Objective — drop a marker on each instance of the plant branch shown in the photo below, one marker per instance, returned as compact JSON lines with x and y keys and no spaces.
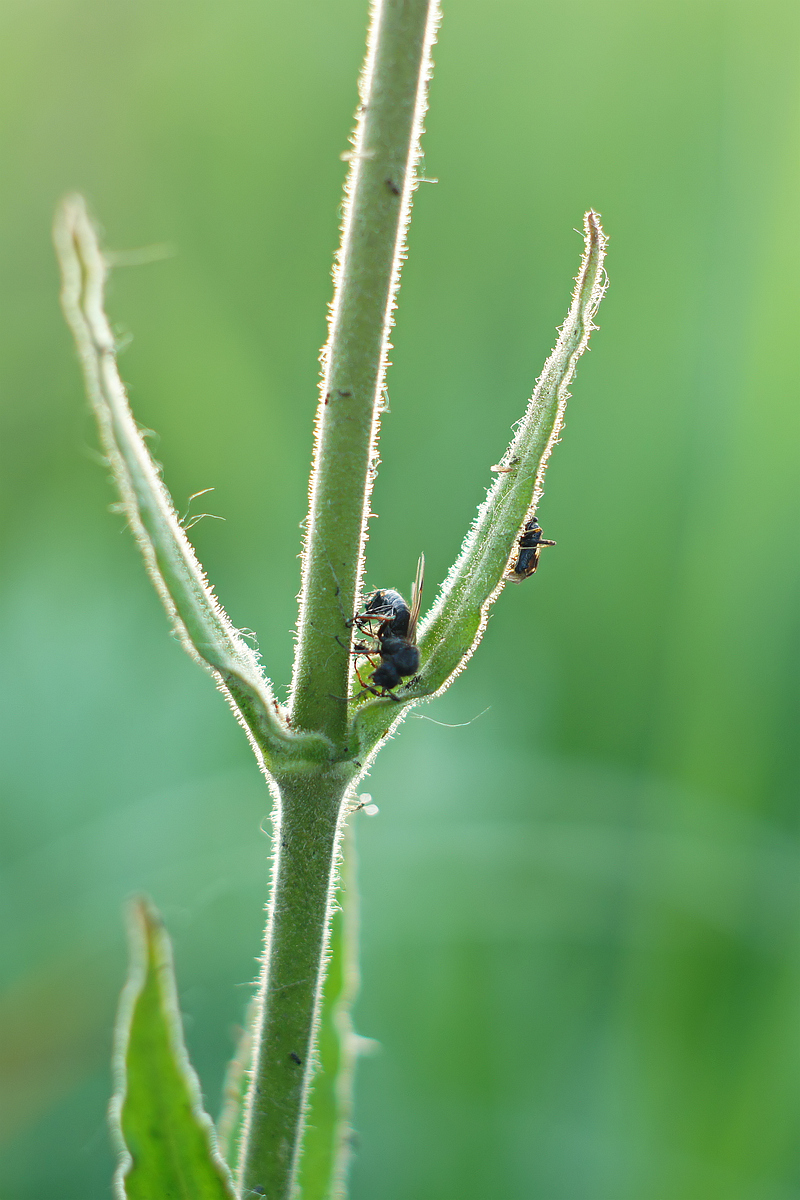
{"x":199,"y":621}
{"x":378,"y":197}
{"x":308,"y":819}
{"x":454,"y":626}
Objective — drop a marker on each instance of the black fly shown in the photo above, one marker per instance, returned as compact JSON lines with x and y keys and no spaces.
{"x":530,"y":545}
{"x":393,"y":625}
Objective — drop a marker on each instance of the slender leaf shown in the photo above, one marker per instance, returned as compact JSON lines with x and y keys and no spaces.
{"x":197,"y":617}
{"x":451,"y":631}
{"x":165,"y":1139}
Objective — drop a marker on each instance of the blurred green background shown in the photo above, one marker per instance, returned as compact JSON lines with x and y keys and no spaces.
{"x":581,"y":929}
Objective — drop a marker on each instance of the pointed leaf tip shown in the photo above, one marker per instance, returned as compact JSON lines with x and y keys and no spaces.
{"x":164,"y":1138}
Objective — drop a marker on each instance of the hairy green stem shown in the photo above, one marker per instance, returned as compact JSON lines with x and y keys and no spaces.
{"x":377,"y":207}
{"x":308,"y":817}
{"x":454,"y":626}
{"x":306,"y":840}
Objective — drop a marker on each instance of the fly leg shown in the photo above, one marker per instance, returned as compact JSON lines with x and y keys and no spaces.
{"x":366,"y":686}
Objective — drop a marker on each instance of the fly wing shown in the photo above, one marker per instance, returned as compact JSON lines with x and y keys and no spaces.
{"x":416,"y":600}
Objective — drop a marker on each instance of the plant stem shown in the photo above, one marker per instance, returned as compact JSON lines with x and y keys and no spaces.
{"x":377,"y":206}
{"x":306,"y":840}
{"x":308,"y":817}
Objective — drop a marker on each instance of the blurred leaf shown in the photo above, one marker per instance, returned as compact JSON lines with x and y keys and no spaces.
{"x":200,"y":623}
{"x":234,"y":1093}
{"x":327,"y":1145}
{"x":166,"y":1139}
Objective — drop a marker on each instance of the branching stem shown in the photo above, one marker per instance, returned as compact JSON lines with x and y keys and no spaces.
{"x":314,"y":754}
{"x":306,"y":839}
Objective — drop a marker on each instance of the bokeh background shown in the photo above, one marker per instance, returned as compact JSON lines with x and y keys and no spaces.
{"x":581,"y":929}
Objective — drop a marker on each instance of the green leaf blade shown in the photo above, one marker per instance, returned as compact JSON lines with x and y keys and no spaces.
{"x":165,"y":1139}
{"x":199,"y":621}
{"x":451,"y":631}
